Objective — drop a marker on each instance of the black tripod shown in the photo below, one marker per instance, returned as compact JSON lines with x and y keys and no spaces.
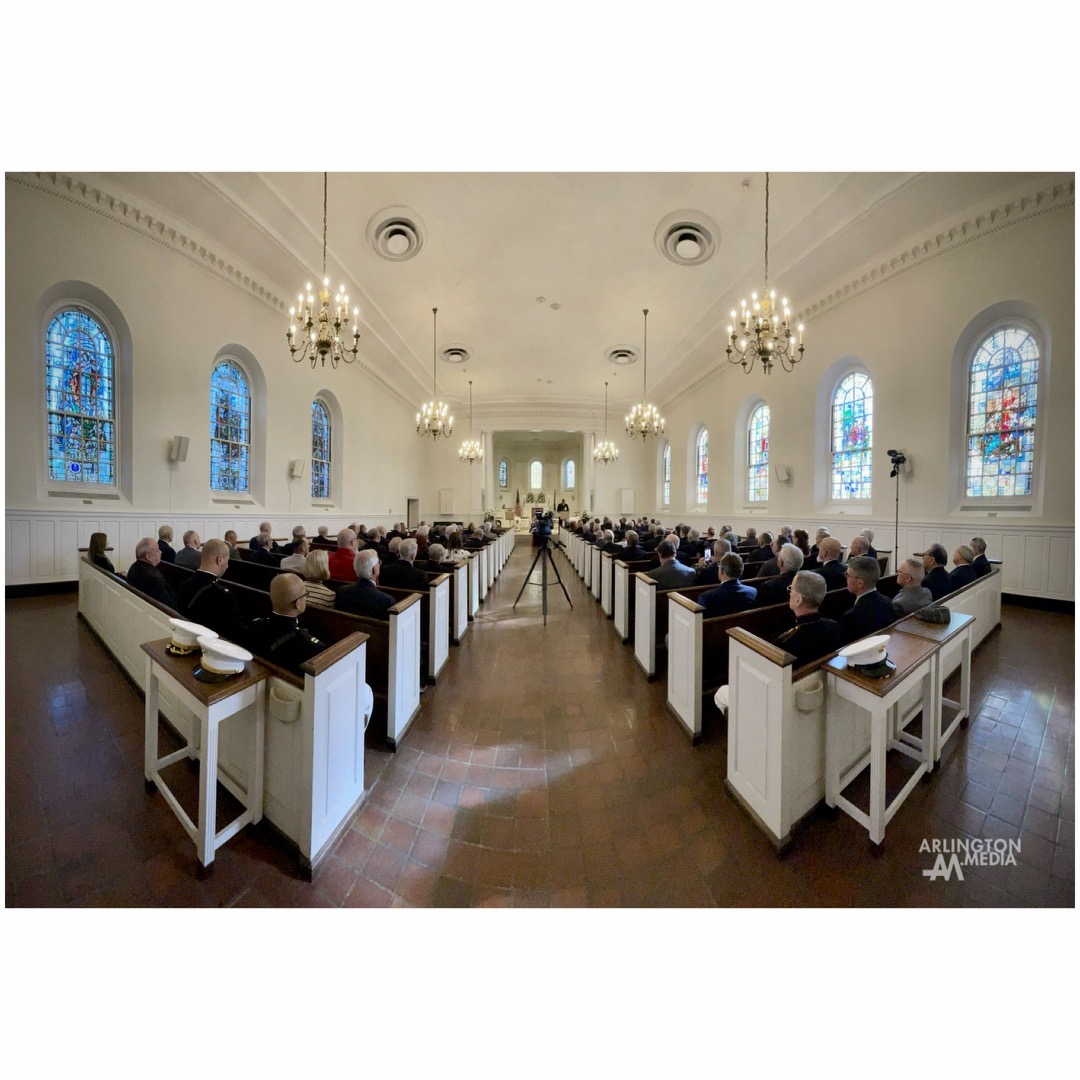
{"x":899,"y":463}
{"x":543,"y":556}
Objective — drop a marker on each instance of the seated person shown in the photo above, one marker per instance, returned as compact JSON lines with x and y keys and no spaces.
{"x":801,"y":539}
{"x":280,"y":638}
{"x":316,"y":571}
{"x":164,"y":543}
{"x":96,"y":551}
{"x":872,"y":611}
{"x":343,"y":558}
{"x":298,"y":534}
{"x":765,"y":552}
{"x":633,"y":552}
{"x":301,"y":548}
{"x":206,"y":600}
{"x":402,"y":574}
{"x":143,"y":574}
{"x":231,"y":540}
{"x":731,"y":594}
{"x":708,"y":571}
{"x":981,"y":563}
{"x":858,"y":547}
{"x":324,"y":532}
{"x":818,"y":537}
{"x":365,"y":597}
{"x":771,"y":567}
{"x":812,"y":636}
{"x":936,"y":579}
{"x":264,"y":527}
{"x":439,"y":561}
{"x":868,"y":534}
{"x":670,"y":574}
{"x":965,"y":573}
{"x":912,"y":594}
{"x":775,"y":590}
{"x":829,"y":565}
{"x":261,"y":547}
{"x":189,"y":555}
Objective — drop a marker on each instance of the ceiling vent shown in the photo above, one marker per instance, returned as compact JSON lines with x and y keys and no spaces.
{"x":687,"y":237}
{"x":621,"y":355}
{"x":396,"y":233}
{"x":455,"y":354}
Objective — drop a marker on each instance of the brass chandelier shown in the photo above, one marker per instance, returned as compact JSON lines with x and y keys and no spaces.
{"x":764,"y":330}
{"x":434,"y":417}
{"x":644,"y":418}
{"x":321,"y":330}
{"x":472,"y":450}
{"x":605,"y":451}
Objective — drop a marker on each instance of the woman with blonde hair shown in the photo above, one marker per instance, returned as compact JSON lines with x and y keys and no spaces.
{"x":98,"y":543}
{"x":316,"y":570}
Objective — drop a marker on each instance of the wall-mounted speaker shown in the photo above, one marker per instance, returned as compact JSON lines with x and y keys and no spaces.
{"x":782,"y":472}
{"x":296,"y":468}
{"x":178,"y":449}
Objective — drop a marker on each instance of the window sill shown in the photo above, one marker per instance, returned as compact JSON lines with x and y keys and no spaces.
{"x":235,"y":500}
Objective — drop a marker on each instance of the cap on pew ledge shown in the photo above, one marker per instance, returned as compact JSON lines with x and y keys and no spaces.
{"x":220,"y":659}
{"x":185,"y":637}
{"x":868,"y":656}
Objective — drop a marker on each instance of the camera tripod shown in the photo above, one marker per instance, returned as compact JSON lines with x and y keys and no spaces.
{"x":543,"y":556}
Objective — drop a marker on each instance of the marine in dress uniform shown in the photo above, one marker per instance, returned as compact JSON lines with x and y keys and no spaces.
{"x":283,"y":640}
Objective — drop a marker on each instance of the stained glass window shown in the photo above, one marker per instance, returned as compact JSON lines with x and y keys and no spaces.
{"x":536,"y":475}
{"x":230,"y":429}
{"x":80,"y":396}
{"x":504,"y":473}
{"x":703,"y":467}
{"x":320,"y":450}
{"x":1002,"y":393}
{"x":665,"y":472}
{"x":757,"y":455}
{"x":568,"y":478}
{"x":852,"y":437}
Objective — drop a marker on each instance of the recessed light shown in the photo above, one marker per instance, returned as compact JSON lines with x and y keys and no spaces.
{"x":541,"y":299}
{"x":555,"y":307}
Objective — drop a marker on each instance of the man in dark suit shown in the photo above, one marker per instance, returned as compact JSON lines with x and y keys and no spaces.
{"x":812,"y":636}
{"x":164,"y":543}
{"x":765,"y":552}
{"x":935,"y":561}
{"x":264,"y":527}
{"x":260,"y":546}
{"x":205,"y":600}
{"x":872,"y":611}
{"x":965,"y":573}
{"x":731,"y":594}
{"x":633,"y":552}
{"x":708,"y":572}
{"x":831,"y":568}
{"x":870,"y":549}
{"x":144,"y":575}
{"x":671,"y":574}
{"x":281,"y":638}
{"x":365,"y":597}
{"x":775,"y":590}
{"x":981,"y":563}
{"x":402,"y":573}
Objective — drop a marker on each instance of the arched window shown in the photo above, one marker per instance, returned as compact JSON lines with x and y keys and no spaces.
{"x":536,"y":475}
{"x":852,"y":437}
{"x":1002,"y":391}
{"x":569,"y":478}
{"x":80,"y":397}
{"x":757,"y":455}
{"x":665,"y":476}
{"x":230,"y":429}
{"x":701,"y":495}
{"x":504,"y":473}
{"x":320,"y":450}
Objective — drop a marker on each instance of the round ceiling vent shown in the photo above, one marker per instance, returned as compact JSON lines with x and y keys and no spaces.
{"x":621,"y":355}
{"x":455,"y":354}
{"x":396,"y":233}
{"x":687,"y":237}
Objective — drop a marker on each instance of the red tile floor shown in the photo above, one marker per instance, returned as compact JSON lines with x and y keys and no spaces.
{"x":543,"y":770}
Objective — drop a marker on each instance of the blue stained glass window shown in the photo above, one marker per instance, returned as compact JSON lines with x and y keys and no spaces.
{"x":702,"y":496}
{"x":757,"y":455}
{"x":320,"y":450}
{"x":1003,"y":394}
{"x":230,"y":429}
{"x":80,"y":396}
{"x":504,"y":473}
{"x":852,"y":437}
{"x":666,"y":473}
{"x":536,"y":475}
{"x":569,"y":478}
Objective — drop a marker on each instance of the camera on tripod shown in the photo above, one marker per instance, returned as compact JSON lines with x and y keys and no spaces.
{"x":542,"y":527}
{"x":899,"y":461}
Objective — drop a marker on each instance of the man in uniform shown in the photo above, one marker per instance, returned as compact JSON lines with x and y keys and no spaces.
{"x":813,"y":635}
{"x":205,"y":600}
{"x":280,"y":638}
{"x":144,"y":575}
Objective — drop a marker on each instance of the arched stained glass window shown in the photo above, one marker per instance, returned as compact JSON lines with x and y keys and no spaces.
{"x":504,"y":473}
{"x":665,"y":473}
{"x":230,"y":429}
{"x":757,"y":455}
{"x":80,"y":398}
{"x":569,"y":477}
{"x":320,"y":450}
{"x":852,"y":437}
{"x":536,"y":475}
{"x":1002,"y":392}
{"x":702,"y":492}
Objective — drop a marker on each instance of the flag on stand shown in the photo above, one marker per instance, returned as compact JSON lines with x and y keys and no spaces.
{"x":517,"y":504}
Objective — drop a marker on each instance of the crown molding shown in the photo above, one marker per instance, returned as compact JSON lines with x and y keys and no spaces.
{"x":976,"y":226}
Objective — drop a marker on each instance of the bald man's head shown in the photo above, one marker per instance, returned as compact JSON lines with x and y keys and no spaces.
{"x":286,"y":590}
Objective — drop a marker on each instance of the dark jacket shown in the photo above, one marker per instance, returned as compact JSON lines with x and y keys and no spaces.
{"x":982,"y":565}
{"x":774,"y":591}
{"x":403,"y":575}
{"x":364,"y":598}
{"x":812,"y":637}
{"x":188,"y":557}
{"x":253,"y":544}
{"x":834,"y":574}
{"x":206,"y":600}
{"x":150,"y":580}
{"x":729,"y":596}
{"x":937,"y":581}
{"x":710,"y":574}
{"x":762,"y":554}
{"x":263,"y":557}
{"x":673,"y":575}
{"x":104,"y":562}
{"x":633,"y":554}
{"x":281,"y":639}
{"x":167,"y":553}
{"x":963,"y":575}
{"x":871,"y":612}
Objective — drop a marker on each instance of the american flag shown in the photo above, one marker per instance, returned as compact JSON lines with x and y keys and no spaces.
{"x":517,"y":504}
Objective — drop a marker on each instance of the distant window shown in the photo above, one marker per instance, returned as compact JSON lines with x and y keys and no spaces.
{"x":665,"y":472}
{"x":230,"y":429}
{"x":757,"y":455}
{"x":320,"y":450}
{"x":536,"y":475}
{"x":1002,"y":397}
{"x":504,"y":473}
{"x":568,"y":476}
{"x":702,"y":492}
{"x":852,"y":437}
{"x":80,"y":397}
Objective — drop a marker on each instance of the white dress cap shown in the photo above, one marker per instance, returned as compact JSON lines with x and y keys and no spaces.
{"x":185,"y":635}
{"x":223,"y":657}
{"x":867,"y":652}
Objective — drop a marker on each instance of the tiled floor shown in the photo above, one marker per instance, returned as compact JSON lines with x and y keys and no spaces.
{"x":543,"y":771}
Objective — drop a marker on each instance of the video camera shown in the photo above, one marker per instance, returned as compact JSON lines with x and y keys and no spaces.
{"x":542,"y":527}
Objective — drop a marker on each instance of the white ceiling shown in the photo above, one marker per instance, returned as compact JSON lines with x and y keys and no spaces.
{"x":496,"y":242}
